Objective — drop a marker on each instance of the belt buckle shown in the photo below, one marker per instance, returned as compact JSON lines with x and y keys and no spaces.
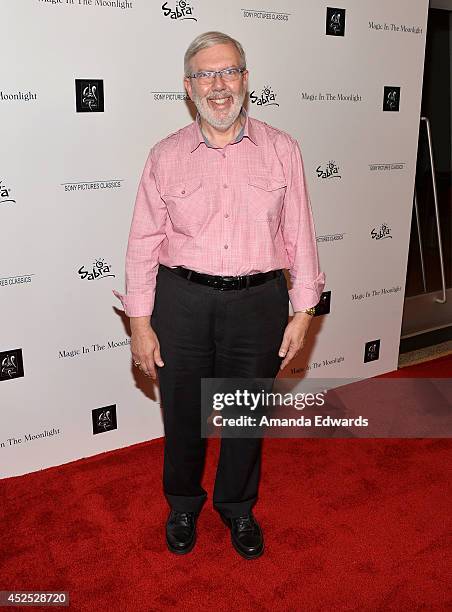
{"x":231,"y":282}
{"x":227,"y":283}
{"x":217,"y":283}
{"x":240,"y":280}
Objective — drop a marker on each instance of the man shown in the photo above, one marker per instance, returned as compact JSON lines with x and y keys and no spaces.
{"x":222,"y":208}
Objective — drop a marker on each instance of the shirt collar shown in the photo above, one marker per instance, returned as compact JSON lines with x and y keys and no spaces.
{"x":247,"y":131}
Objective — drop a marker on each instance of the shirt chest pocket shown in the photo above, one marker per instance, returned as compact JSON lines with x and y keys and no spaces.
{"x":186,"y":203}
{"x":265,"y":197}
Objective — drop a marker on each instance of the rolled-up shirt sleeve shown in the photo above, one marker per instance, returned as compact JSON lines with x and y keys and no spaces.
{"x":307,"y":281}
{"x":147,"y":231}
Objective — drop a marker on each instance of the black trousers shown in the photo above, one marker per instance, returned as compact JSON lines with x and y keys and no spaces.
{"x":207,"y":333}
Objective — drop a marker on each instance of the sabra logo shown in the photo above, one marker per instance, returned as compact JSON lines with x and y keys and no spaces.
{"x":267,"y":97}
{"x":331,"y":171}
{"x":182,"y":11}
{"x":384,"y":231}
{"x":99,"y":270}
{"x":5,"y":194}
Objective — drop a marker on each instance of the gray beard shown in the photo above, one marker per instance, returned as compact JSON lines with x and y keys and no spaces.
{"x":209,"y":116}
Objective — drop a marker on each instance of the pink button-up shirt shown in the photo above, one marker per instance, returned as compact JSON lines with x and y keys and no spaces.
{"x":229,"y":211}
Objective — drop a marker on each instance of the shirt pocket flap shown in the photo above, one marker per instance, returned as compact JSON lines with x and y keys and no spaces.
{"x":267,"y":183}
{"x":183,"y":188}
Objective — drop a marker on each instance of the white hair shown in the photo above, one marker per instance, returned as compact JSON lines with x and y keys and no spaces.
{"x":209,"y":39}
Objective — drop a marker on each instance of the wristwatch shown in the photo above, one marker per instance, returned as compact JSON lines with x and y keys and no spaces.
{"x":309,"y":311}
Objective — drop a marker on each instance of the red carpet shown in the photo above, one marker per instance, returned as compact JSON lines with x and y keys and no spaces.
{"x":349,"y":525}
{"x":435,"y":368}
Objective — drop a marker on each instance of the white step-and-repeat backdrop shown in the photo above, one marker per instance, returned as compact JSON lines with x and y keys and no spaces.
{"x":86,"y":88}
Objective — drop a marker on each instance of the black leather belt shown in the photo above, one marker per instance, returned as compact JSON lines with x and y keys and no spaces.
{"x":225,"y":283}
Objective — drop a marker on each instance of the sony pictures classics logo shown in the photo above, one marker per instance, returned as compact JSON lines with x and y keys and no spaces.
{"x":330,"y":238}
{"x":335,"y":21}
{"x":11,"y":364}
{"x":182,"y":11}
{"x":89,"y":95}
{"x":384,"y":231}
{"x":330,"y":171}
{"x":99,"y":270}
{"x":387,"y":166}
{"x":391,"y":98}
{"x":5,"y":194}
{"x":267,"y":97}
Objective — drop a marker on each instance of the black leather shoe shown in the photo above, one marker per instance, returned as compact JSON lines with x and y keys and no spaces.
{"x":246,"y":535}
{"x":181,"y":531}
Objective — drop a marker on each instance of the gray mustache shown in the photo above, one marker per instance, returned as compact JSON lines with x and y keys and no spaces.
{"x":219,"y":96}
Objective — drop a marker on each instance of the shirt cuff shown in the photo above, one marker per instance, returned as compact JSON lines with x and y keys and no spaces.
{"x":134,"y":306}
{"x":307,"y":294}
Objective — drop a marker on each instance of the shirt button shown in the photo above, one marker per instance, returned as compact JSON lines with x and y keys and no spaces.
{"x":224,"y":154}
{"x":225,"y":246}
{"x":226,"y":216}
{"x":183,"y":191}
{"x":225,"y":186}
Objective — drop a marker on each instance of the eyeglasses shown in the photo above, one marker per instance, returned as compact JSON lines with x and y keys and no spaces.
{"x":208,"y":76}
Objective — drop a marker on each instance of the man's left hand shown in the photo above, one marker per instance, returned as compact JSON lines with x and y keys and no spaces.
{"x":294,"y":337}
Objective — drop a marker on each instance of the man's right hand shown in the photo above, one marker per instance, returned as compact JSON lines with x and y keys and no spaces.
{"x":145,"y":346}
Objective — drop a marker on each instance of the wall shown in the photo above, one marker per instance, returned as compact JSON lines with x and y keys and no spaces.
{"x":68,"y":183}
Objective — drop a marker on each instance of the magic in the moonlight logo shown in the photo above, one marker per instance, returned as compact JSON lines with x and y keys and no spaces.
{"x":104,"y":419}
{"x":89,"y":95}
{"x":372,"y":351}
{"x":335,"y":21}
{"x":183,"y":10}
{"x":20,"y":96}
{"x":11,"y":364}
{"x":99,"y":270}
{"x":324,"y":305}
{"x":391,"y":98}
